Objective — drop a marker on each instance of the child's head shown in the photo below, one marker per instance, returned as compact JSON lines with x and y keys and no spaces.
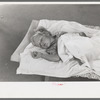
{"x":42,"y":38}
{"x":42,"y":30}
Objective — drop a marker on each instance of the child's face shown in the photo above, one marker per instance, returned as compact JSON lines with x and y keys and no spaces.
{"x":41,"y":40}
{"x":45,"y":42}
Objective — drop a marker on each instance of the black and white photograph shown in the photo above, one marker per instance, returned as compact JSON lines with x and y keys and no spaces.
{"x":49,"y":42}
{"x":49,"y":49}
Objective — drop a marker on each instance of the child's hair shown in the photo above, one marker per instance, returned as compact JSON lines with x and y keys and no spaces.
{"x":43,"y":31}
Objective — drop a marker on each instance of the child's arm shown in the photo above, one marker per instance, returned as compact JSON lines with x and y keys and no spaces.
{"x":54,"y":58}
{"x":49,"y":57}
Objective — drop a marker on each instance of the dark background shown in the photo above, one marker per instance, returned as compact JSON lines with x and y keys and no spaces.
{"x":15,"y":21}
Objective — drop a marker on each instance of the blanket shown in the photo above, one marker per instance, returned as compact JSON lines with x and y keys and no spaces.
{"x":83,"y":48}
{"x":40,"y":66}
{"x":28,"y":65}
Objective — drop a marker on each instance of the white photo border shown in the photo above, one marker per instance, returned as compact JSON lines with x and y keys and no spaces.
{"x":49,"y":89}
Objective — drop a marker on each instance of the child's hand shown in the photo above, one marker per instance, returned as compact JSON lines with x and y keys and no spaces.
{"x":36,"y":54}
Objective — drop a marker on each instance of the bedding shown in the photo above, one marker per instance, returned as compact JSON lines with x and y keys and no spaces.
{"x":28,"y":65}
{"x":41,"y":66}
{"x":83,"y":48}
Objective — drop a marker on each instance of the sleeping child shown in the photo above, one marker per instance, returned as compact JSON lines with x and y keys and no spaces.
{"x":45,"y":40}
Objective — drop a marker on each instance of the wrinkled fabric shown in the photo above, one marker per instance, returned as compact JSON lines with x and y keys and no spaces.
{"x":83,"y":48}
{"x":40,"y":66}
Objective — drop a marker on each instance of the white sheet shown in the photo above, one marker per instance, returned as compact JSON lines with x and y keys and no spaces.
{"x":55,"y":26}
{"x":84,"y":48}
{"x":40,"y":66}
{"x":28,"y":65}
